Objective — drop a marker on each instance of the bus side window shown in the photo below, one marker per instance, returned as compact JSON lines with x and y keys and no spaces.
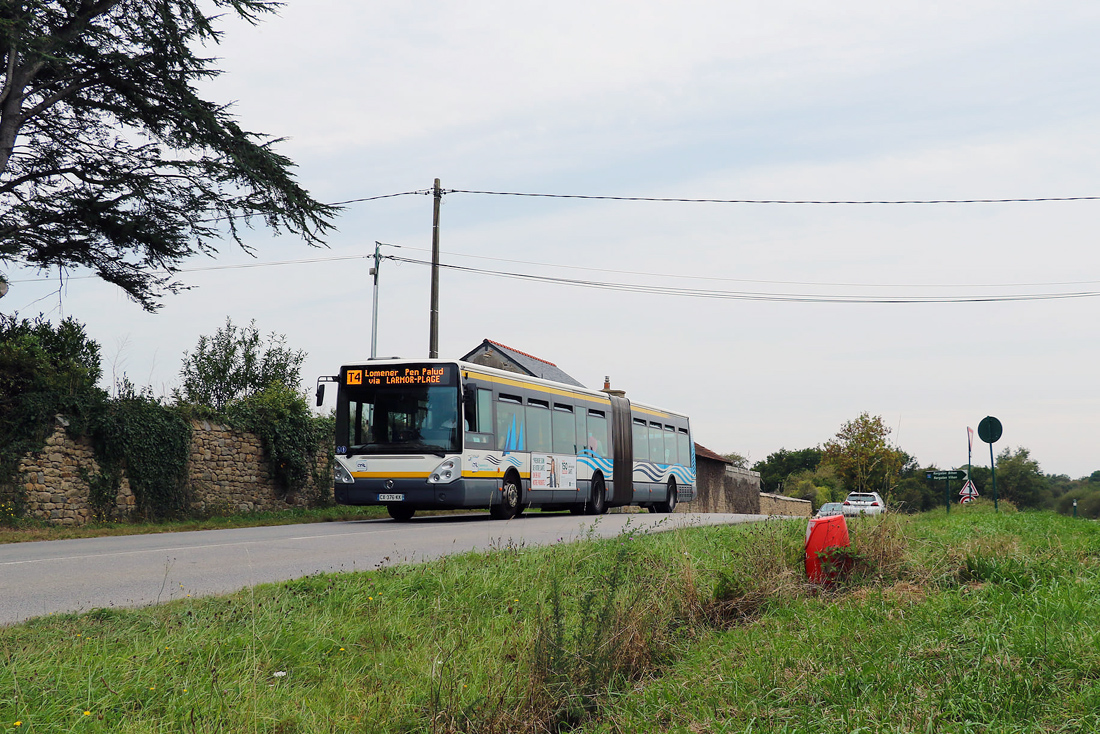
{"x":670,"y":445}
{"x":510,"y":423}
{"x":581,"y":415}
{"x":597,"y":432}
{"x":684,"y":440}
{"x":565,"y":429}
{"x":641,"y":439}
{"x":656,"y":443}
{"x":479,"y":420}
{"x":484,"y":410}
{"x":539,"y":437}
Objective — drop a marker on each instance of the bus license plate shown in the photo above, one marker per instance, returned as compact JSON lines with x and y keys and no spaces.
{"x":391,"y":498}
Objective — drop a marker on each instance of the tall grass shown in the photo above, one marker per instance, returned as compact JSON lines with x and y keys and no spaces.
{"x":973,"y":622}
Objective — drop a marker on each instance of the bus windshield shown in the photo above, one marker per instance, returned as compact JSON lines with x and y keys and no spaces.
{"x":398,"y":419}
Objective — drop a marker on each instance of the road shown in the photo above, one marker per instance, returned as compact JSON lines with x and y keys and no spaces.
{"x":49,"y":577}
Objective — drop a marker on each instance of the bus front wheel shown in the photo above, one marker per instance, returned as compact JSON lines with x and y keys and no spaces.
{"x":509,"y":500}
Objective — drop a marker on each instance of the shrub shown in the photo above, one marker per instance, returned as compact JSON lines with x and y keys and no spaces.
{"x":290,"y":435}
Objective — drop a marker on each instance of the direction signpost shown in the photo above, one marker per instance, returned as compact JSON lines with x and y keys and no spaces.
{"x":945,"y":476}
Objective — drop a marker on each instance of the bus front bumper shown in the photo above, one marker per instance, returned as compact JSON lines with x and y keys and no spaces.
{"x":418,"y":494}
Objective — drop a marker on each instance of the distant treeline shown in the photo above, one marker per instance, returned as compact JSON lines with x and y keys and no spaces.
{"x":826,"y":474}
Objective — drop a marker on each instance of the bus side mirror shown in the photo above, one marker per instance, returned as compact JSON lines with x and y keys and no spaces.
{"x":321,"y":387}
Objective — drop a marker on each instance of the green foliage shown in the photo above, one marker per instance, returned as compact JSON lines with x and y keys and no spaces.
{"x":1020,"y":480}
{"x":578,"y":651}
{"x":290,"y":435}
{"x":775,"y":469}
{"x":253,"y":386}
{"x":151,"y":442}
{"x":110,"y":160}
{"x":47,"y":371}
{"x":235,"y":364}
{"x":819,"y":485}
{"x":44,"y":370}
{"x":1086,"y":491}
{"x":840,"y":563}
{"x":738,"y":460}
{"x":862,"y":456}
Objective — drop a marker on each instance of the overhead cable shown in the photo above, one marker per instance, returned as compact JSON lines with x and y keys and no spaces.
{"x":776,"y":201}
{"x":748,"y":295}
{"x":681,"y":276}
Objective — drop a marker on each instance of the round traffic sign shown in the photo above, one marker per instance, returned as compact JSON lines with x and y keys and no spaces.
{"x":989,"y":430}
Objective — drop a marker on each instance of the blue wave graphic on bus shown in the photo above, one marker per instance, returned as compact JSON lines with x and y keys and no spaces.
{"x":660,"y":472}
{"x":652,"y":472}
{"x":510,"y":460}
{"x":683,"y":474}
{"x":594,"y":461}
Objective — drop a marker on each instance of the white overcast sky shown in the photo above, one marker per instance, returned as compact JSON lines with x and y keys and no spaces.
{"x":698,"y":99}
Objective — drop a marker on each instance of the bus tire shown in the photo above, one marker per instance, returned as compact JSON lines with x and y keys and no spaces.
{"x":597,"y":500}
{"x":669,"y":505}
{"x":509,"y":505}
{"x":400,"y":513}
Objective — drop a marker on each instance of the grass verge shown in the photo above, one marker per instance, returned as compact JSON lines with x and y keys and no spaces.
{"x":973,"y":622}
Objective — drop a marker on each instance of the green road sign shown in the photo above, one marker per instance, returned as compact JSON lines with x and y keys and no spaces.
{"x":939,"y":476}
{"x":989,"y":430}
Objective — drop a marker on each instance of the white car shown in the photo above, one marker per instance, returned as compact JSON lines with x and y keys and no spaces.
{"x":864,"y":503}
{"x":830,"y":508}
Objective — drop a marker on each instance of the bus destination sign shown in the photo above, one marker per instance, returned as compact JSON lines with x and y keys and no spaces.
{"x":388,"y":375}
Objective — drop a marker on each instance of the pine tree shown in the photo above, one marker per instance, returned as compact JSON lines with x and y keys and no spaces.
{"x":110,"y":160}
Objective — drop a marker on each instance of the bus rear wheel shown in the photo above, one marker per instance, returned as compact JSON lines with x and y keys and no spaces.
{"x":509,"y":505}
{"x":597,"y":501}
{"x":400,"y":513}
{"x":669,"y":505}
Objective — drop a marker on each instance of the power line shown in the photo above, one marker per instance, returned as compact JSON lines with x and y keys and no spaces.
{"x":339,"y":258}
{"x":686,"y":200}
{"x":763,"y":282}
{"x":751,"y":296}
{"x":380,"y":196}
{"x":334,"y":203}
{"x":775,"y":201}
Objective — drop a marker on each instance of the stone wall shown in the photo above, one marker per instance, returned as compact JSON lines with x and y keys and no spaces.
{"x":777,"y":504}
{"x":227,"y":472}
{"x":54,"y":484}
{"x":722,"y":487}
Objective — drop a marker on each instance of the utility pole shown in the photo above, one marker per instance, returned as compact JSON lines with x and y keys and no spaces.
{"x":433,"y":328}
{"x":374,"y":313}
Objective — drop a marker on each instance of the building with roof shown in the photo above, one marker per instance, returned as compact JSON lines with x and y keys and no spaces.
{"x":494,"y":354}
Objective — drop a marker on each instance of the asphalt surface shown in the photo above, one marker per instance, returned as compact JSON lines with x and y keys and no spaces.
{"x":51,"y":577}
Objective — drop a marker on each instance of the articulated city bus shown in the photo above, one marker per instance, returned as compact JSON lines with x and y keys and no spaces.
{"x":437,"y":434}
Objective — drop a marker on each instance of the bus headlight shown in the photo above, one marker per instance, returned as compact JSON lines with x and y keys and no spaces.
{"x":342,"y":475}
{"x":445,"y":473}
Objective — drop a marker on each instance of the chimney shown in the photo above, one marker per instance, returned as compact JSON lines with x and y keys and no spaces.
{"x":607,"y":388}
